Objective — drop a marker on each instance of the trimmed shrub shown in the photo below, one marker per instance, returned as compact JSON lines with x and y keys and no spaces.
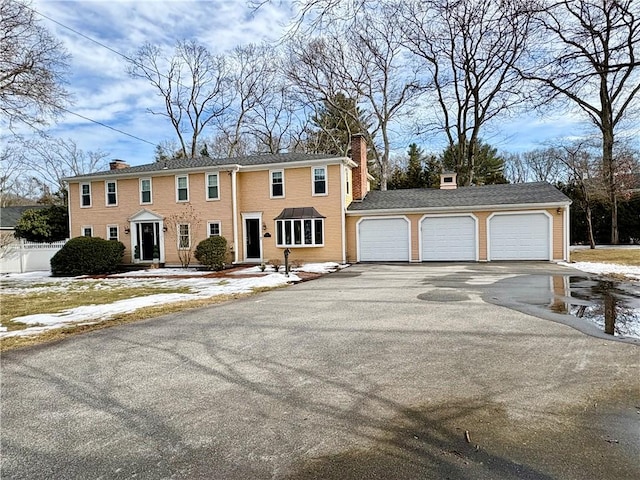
{"x":212,"y":252}
{"x":87,"y":256}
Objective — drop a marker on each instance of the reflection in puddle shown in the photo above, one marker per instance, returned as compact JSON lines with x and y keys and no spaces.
{"x":612,"y":306}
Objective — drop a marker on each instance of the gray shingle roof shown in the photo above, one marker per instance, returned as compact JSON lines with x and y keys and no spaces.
{"x":205,"y":162}
{"x":486,"y":195}
{"x":9,"y":216}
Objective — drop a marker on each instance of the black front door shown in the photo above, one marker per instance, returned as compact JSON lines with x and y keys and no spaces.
{"x":147,"y":238}
{"x":252,"y":230}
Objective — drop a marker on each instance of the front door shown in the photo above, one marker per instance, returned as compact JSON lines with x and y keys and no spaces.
{"x":147,"y":238}
{"x":252,"y":238}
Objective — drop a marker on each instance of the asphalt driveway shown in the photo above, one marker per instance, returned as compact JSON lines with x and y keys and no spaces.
{"x":377,"y":372}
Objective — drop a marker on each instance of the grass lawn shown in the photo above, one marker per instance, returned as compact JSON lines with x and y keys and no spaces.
{"x":622,"y":256}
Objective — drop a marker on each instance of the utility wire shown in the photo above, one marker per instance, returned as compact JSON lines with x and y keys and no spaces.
{"x":106,"y":126}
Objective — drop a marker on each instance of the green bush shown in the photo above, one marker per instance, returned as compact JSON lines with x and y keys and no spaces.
{"x":87,"y":256}
{"x":49,"y":224}
{"x":212,"y":252}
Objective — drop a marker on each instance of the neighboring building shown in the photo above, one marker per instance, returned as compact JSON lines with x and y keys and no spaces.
{"x":318,"y":206}
{"x":9,"y":217}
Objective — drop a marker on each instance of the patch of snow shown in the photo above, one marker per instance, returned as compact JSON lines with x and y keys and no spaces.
{"x":162,"y":272}
{"x":605,"y":268}
{"x":326,"y":267}
{"x":199,"y":286}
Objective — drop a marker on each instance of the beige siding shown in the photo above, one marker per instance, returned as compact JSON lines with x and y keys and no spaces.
{"x":558,"y":233}
{"x":254,"y":192}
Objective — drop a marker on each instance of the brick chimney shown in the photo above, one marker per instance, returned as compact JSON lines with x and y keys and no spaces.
{"x":448,"y":181}
{"x":118,"y":164}
{"x":360,"y":173}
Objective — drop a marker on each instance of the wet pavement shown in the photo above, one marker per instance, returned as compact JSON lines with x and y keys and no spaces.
{"x":593,"y":305}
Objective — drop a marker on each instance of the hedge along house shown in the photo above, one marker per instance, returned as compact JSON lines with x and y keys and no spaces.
{"x":318,"y":206}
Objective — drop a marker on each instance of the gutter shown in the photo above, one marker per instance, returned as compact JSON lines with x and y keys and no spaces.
{"x":465,"y":208}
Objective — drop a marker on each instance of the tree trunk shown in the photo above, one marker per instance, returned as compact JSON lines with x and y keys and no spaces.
{"x":592,"y":242}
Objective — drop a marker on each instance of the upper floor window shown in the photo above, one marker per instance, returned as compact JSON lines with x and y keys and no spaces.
{"x":85,"y":194}
{"x":112,"y":232}
{"x":87,"y":231}
{"x":213,"y":192}
{"x":145,"y":190}
{"x":277,"y":183}
{"x":184,"y":236}
{"x":111,"y":192}
{"x":182,"y":188}
{"x":213,"y":229}
{"x":319,"y":180}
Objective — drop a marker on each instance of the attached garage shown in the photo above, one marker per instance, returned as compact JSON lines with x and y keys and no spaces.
{"x":383,"y":240}
{"x":449,"y":238}
{"x":519,"y":236}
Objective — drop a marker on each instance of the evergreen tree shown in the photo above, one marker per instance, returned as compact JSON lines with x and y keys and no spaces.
{"x":488,"y":166}
{"x":333,"y":125}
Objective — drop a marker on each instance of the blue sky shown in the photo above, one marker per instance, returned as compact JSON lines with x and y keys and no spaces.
{"x":104,"y":92}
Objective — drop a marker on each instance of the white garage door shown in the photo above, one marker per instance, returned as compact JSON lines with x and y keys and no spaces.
{"x":383,"y":240}
{"x":524,"y":236}
{"x":448,"y":238}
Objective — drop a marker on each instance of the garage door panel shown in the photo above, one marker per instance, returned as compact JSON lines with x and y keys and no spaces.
{"x":383,"y":240}
{"x":448,"y":238}
{"x":520,"y":237}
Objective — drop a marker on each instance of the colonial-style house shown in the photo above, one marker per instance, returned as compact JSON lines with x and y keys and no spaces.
{"x":318,"y":206}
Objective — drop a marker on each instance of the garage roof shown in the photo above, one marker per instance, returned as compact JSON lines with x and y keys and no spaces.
{"x":475,"y":196}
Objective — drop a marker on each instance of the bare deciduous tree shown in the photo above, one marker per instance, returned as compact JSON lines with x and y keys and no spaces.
{"x":591,"y":61}
{"x":193,"y":84}
{"x":365,"y":61}
{"x":184,"y":236}
{"x":470,"y":49}
{"x":32,"y":67}
{"x":48,"y":160}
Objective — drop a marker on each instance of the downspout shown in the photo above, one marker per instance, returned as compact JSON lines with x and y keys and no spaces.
{"x":343,"y":210}
{"x":234,"y":203}
{"x":566,"y":233}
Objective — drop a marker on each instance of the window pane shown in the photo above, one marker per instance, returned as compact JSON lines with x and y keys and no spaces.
{"x":308,"y":239}
{"x":318,"y":232}
{"x":113,"y":233}
{"x":279,"y":232}
{"x":146,"y":197}
{"x":319,"y":181}
{"x":212,"y":186}
{"x":297,"y":232}
{"x":214,"y":229}
{"x":184,"y":235}
{"x":287,"y":232}
{"x":87,"y":232}
{"x":182,"y":182}
{"x":277,"y":184}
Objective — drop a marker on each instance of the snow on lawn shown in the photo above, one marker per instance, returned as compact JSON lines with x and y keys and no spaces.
{"x":326,"y":267}
{"x":605,"y":268}
{"x":200,"y":288}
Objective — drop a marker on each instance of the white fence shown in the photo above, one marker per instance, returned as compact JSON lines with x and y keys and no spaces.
{"x":22,"y":256}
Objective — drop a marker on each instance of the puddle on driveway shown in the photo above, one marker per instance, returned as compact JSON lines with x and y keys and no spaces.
{"x":612,"y":306}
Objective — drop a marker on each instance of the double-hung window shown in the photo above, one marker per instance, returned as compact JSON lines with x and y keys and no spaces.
{"x":182,"y":188}
{"x":213,"y":229}
{"x":87,"y":231}
{"x":277,"y":183}
{"x":112,"y":232}
{"x":85,"y":194}
{"x":213,"y":192}
{"x":319,"y":180}
{"x":184,"y":236}
{"x":145,"y":190}
{"x":111,"y":190}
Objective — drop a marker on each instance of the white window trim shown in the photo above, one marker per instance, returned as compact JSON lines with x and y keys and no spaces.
{"x":313,"y":181}
{"x":300,"y":245}
{"x":214,"y":222}
{"x":86,"y":227}
{"x":206,"y":186}
{"x":177,"y":189}
{"x":90,"y":195}
{"x":271,"y":172}
{"x":106,"y":193}
{"x":150,"y":191}
{"x":109,"y":227}
{"x":179,"y":235}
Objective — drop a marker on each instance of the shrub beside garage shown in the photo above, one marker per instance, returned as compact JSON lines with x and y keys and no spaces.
{"x":87,"y":256}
